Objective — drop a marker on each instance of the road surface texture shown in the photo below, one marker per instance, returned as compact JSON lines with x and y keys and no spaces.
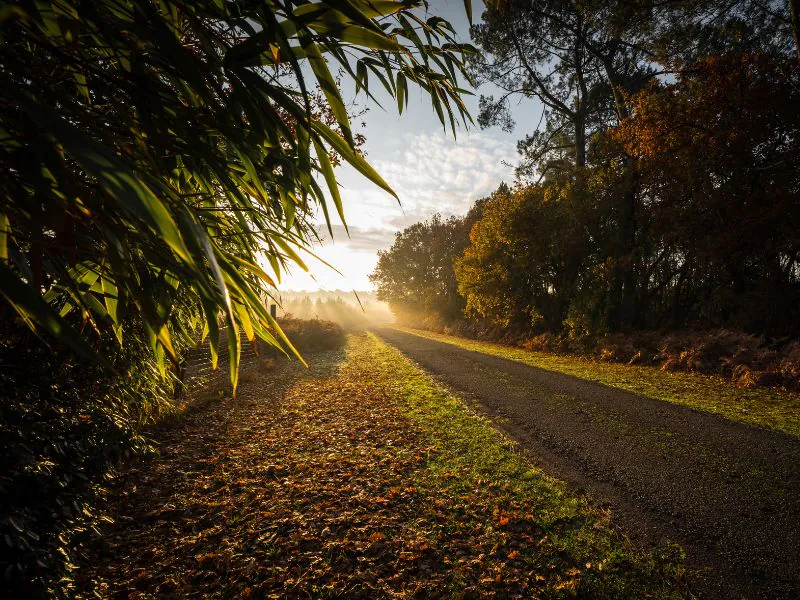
{"x":728,"y":493}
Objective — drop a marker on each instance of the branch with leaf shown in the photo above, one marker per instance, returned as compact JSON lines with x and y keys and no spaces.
{"x":156,"y":146}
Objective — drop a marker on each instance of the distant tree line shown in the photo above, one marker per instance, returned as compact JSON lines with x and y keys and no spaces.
{"x":352,"y":313}
{"x":661,"y":191}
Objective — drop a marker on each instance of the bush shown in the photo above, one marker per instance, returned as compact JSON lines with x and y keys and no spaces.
{"x":64,"y":425}
{"x":313,"y":335}
{"x":745,"y":359}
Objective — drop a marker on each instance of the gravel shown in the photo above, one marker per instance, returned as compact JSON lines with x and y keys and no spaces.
{"x":728,"y":493}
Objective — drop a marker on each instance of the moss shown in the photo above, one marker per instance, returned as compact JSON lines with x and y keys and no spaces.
{"x":769,"y":408}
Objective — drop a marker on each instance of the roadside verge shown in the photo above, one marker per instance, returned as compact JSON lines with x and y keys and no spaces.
{"x":768,"y":408}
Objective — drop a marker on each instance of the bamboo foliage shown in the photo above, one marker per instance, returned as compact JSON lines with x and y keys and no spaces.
{"x":151,"y":147}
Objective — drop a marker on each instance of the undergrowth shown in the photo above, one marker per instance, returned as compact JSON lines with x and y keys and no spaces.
{"x":745,"y":359}
{"x":65,"y":428}
{"x":313,"y":335}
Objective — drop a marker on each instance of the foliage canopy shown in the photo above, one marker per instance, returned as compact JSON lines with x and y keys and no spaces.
{"x":657,"y":202}
{"x":155,"y":150}
{"x":163,"y":162}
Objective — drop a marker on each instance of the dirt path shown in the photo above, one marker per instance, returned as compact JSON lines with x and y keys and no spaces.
{"x":728,"y":493}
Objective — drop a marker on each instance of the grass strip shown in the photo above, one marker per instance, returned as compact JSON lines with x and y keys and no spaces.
{"x":562,"y":545}
{"x":764,"y":407}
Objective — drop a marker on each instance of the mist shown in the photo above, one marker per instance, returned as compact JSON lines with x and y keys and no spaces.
{"x":342,"y":307}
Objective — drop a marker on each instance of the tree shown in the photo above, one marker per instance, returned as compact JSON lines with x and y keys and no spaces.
{"x":528,"y":256}
{"x":559,"y":53}
{"x":415,"y":276}
{"x":717,"y":152}
{"x":157,"y":151}
{"x":680,"y":32}
{"x":582,"y":70}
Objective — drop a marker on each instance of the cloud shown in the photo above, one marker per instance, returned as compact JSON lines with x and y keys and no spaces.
{"x":361,"y":239}
{"x":431,"y":173}
{"x":438,"y":174}
{"x":434,"y":173}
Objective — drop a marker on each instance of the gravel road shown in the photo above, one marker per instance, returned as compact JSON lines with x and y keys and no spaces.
{"x":729,"y":493}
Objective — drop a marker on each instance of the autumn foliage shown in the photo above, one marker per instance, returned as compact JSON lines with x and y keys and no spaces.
{"x":719,"y":173}
{"x":686,"y":218}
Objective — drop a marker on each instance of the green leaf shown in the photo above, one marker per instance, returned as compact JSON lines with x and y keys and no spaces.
{"x":35,"y":311}
{"x":211,"y":330}
{"x":351,"y":156}
{"x":369,"y":39}
{"x":320,"y":68}
{"x":362,"y":80}
{"x":377,"y":8}
{"x":5,"y":233}
{"x":246,"y":322}
{"x":252,"y":268}
{"x":234,"y":353}
{"x":245,"y":52}
{"x":330,"y":179}
{"x":118,"y":180}
{"x":402,"y":91}
{"x":165,"y":339}
{"x":468,"y":8}
{"x":287,"y":248}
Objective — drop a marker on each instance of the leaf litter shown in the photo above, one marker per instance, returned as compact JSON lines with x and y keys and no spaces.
{"x":361,"y":477}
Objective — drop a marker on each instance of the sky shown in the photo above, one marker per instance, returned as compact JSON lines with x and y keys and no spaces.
{"x":428,"y":169}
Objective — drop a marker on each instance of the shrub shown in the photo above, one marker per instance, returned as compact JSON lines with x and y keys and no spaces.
{"x":313,"y":335}
{"x":64,"y":425}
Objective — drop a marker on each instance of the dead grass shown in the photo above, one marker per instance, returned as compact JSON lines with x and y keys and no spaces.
{"x":747,"y":360}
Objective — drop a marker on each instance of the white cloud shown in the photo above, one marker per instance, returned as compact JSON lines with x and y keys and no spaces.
{"x":360,"y":239}
{"x":430,"y":173}
{"x":435,"y":173}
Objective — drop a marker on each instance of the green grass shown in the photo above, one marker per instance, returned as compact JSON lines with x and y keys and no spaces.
{"x":477,"y":465}
{"x":769,"y":408}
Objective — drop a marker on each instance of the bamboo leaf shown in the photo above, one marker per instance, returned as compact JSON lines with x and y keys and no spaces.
{"x":402,"y":91}
{"x":5,"y":234}
{"x":377,"y":8}
{"x":121,"y":184}
{"x":330,"y":179}
{"x":361,"y":165}
{"x":35,"y":311}
{"x":252,"y":268}
{"x":320,"y":68}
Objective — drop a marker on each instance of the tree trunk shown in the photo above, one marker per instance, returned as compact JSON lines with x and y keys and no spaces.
{"x":622,"y":305}
{"x":622,"y":298}
{"x":580,"y":140}
{"x":794,"y":9}
{"x":627,"y":235}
